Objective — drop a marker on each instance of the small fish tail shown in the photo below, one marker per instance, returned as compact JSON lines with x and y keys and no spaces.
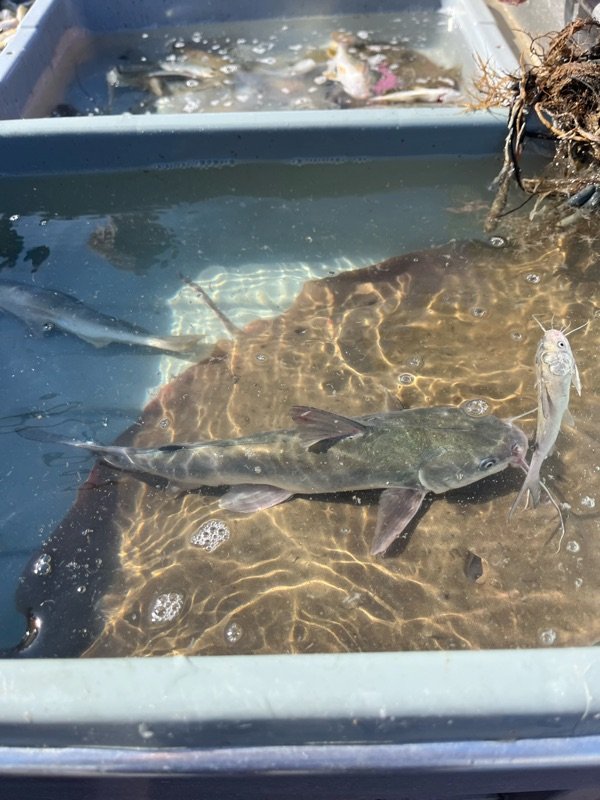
{"x":531,"y":484}
{"x":183,"y":345}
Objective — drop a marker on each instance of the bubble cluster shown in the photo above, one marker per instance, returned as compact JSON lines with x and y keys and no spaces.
{"x":233,"y":632}
{"x":42,"y":565}
{"x":415,"y":362}
{"x":478,"y":312}
{"x":588,"y":502}
{"x":476,"y":407}
{"x":573,"y":546}
{"x":532,"y":277}
{"x":211,"y":534}
{"x":548,"y":636}
{"x":261,"y":357}
{"x":166,"y":607}
{"x":164,"y":423}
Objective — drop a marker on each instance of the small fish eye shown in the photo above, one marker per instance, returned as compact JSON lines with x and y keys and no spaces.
{"x":488,"y":463}
{"x":561,"y":343}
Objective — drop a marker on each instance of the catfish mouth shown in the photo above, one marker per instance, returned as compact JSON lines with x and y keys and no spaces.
{"x":518,"y":456}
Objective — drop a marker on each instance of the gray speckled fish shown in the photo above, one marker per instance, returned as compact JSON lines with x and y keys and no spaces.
{"x":406,"y":453}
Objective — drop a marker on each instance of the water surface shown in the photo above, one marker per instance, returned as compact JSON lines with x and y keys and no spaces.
{"x":447,"y":322}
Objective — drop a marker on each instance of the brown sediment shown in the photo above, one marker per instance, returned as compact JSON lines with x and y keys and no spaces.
{"x":298,"y":577}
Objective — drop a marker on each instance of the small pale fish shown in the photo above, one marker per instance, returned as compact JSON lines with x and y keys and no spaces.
{"x":353,"y":74}
{"x":406,"y":453}
{"x":556,"y":371}
{"x":441,"y":94}
{"x":47,"y":309}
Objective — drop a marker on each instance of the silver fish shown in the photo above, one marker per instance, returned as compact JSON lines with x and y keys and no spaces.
{"x":406,"y":453}
{"x":46,"y":309}
{"x":556,"y":371}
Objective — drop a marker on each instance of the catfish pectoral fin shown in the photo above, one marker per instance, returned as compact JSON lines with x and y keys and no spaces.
{"x":248,"y":497}
{"x":317,"y":425}
{"x":396,"y":509}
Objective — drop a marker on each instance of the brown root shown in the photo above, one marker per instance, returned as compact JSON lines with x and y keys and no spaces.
{"x":563,"y":92}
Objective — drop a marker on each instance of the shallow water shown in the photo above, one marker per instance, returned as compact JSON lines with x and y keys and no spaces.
{"x":447,"y":325}
{"x":268,"y":64}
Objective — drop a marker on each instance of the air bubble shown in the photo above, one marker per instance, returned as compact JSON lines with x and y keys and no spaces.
{"x":233,"y":632}
{"x":14,"y":217}
{"x":145,"y":731}
{"x":414,"y":361}
{"x":261,"y":357}
{"x":211,"y":534}
{"x":164,"y":423}
{"x":406,"y":379}
{"x":48,"y":326}
{"x":497,"y":241}
{"x":588,"y":502}
{"x":81,"y":589}
{"x":476,"y":407}
{"x":548,"y":637}
{"x":516,"y":336}
{"x":578,"y":583}
{"x":43,"y":565}
{"x":573,"y":546}
{"x":166,"y":607}
{"x":532,"y":277}
{"x":478,"y":312}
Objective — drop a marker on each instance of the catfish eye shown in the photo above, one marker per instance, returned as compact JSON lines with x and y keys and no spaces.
{"x":560,"y":343}
{"x":488,"y":463}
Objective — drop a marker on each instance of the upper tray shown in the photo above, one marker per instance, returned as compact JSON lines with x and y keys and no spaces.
{"x":93,"y":58}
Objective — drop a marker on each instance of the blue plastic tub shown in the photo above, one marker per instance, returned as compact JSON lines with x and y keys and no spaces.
{"x":394,"y":725}
{"x":478,"y":721}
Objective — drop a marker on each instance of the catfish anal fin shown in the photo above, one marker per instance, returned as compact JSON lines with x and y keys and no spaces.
{"x":396,"y":509}
{"x":247,"y":498}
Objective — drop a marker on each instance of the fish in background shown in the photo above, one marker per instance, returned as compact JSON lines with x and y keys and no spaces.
{"x":47,"y":309}
{"x":353,"y":74}
{"x":406,"y":453}
{"x":556,"y":371}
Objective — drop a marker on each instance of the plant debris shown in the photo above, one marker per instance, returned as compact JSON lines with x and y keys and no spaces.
{"x":562,"y":89}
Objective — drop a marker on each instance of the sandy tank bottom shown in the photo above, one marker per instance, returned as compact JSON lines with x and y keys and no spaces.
{"x":450,"y":325}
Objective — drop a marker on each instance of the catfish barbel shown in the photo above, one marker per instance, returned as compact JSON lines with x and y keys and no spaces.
{"x":406,"y":453}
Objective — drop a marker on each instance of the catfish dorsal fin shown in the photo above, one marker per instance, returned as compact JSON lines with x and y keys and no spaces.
{"x":317,"y":425}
